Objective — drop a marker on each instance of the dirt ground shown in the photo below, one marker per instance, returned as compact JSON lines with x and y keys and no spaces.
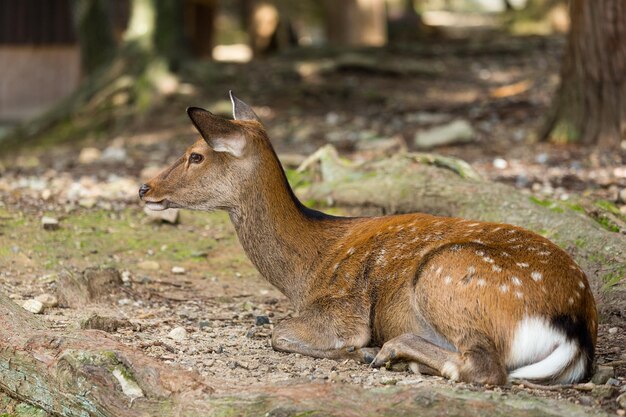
{"x":225,"y":307}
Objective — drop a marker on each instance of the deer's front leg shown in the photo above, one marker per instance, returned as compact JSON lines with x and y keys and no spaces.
{"x":325,"y":333}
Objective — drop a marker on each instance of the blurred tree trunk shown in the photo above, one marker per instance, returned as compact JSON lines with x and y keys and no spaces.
{"x":590,"y":104}
{"x":132,"y":81}
{"x":356,"y":22}
{"x":268,"y":26}
{"x":92,"y":20}
{"x":201,"y":28}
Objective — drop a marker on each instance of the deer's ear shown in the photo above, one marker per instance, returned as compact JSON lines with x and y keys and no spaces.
{"x":241,"y":111}
{"x":220,"y":134}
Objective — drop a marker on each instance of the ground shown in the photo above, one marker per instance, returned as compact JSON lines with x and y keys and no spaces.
{"x":220,"y":300}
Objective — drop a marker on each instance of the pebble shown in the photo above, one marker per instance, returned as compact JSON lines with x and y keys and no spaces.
{"x":586,"y":400}
{"x":48,"y":300}
{"x":261,"y":320}
{"x":149,"y":265}
{"x":34,"y":306}
{"x":622,"y":195}
{"x":603,"y":374}
{"x":178,"y":270}
{"x":613,"y":381}
{"x":126,"y":277}
{"x":613,"y":330}
{"x":203,"y":324}
{"x":49,"y":223}
{"x":500,"y":163}
{"x":89,"y":155}
{"x":177,"y":333}
{"x":621,"y":400}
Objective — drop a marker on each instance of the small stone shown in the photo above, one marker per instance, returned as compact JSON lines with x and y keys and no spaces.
{"x":149,"y":265}
{"x":586,"y":400}
{"x":129,"y":386}
{"x":178,"y":334}
{"x":603,"y":391}
{"x":178,"y":270}
{"x":457,"y":131}
{"x":500,"y":163}
{"x":414,"y":368}
{"x":621,"y":400}
{"x":49,"y":223}
{"x":48,"y":300}
{"x":613,"y":330}
{"x":603,"y":374}
{"x":622,"y":195}
{"x":34,"y":306}
{"x":166,"y":216}
{"x":621,"y":412}
{"x":203,"y":324}
{"x":126,"y":277}
{"x":614,"y":382}
{"x":89,"y":155}
{"x":261,"y":320}
{"x":399,"y":367}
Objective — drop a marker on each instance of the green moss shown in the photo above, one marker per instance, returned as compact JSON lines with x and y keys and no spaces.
{"x":574,"y":207}
{"x":552,"y":205}
{"x":27,"y":410}
{"x":580,"y":243}
{"x":607,"y":224}
{"x":608,"y":206}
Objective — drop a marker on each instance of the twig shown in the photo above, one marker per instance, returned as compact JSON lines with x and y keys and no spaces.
{"x":531,"y":385}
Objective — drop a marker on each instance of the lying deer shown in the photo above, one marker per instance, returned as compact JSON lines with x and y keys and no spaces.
{"x":471,"y":301}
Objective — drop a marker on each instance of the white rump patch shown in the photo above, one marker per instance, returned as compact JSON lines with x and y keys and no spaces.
{"x":541,"y":352}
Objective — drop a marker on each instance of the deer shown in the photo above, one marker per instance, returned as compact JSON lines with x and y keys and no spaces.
{"x":467,"y":300}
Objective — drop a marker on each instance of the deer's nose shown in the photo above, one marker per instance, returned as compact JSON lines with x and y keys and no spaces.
{"x":143,"y":190}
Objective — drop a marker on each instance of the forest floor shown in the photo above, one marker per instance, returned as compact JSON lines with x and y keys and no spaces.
{"x":306,"y":100}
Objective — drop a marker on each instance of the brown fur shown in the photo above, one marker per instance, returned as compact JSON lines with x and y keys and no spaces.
{"x":426,"y":288}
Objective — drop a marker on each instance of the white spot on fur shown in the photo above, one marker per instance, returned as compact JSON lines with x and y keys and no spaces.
{"x":496,"y":268}
{"x":522,"y":264}
{"x":581,"y":284}
{"x":480,"y":242}
{"x":480,"y":253}
{"x":570,"y":301}
{"x":541,"y":352}
{"x":450,"y":371}
{"x":471,"y":270}
{"x":512,"y":231}
{"x":504,"y":288}
{"x":516,"y":281}
{"x":488,"y":260}
{"x":543,"y":253}
{"x":577,"y":294}
{"x":481,"y":282}
{"x":519,"y":294}
{"x":438,"y":271}
{"x":505,"y":254}
{"x":447,"y":280}
{"x":536,"y":276}
{"x":473,"y":224}
{"x":350,"y":251}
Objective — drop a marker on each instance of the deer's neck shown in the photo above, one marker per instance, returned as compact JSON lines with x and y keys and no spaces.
{"x":283,"y":239}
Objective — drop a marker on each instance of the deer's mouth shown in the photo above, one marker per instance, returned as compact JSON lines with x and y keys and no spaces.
{"x":158,"y":205}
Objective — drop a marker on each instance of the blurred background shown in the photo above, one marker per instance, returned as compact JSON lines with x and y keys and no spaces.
{"x":530,"y":92}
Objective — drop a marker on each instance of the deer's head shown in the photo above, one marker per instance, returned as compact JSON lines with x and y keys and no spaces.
{"x":220,"y":166}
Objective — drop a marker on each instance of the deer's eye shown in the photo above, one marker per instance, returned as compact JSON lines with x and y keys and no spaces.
{"x":195,"y":158}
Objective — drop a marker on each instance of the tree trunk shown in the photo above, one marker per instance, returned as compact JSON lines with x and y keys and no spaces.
{"x":86,"y":373}
{"x":590,"y":104}
{"x":92,"y":19}
{"x":132,"y":82}
{"x":356,"y":22}
{"x":415,"y":183}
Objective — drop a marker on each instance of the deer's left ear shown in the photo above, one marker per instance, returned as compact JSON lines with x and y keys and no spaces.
{"x":220,"y":134}
{"x":241,"y":111}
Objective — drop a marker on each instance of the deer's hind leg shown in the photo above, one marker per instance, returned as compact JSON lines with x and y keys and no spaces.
{"x":326,"y":330}
{"x":477,"y":363}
